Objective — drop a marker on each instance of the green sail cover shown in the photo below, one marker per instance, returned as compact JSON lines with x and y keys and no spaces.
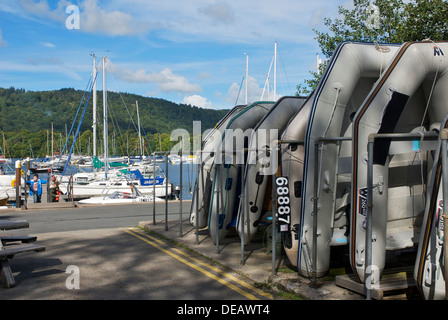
{"x":99,"y":164}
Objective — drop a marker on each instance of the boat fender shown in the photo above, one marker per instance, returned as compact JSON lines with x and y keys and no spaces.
{"x":326,"y":186}
{"x":360,"y":254}
{"x":379,"y":186}
{"x":293,"y":146}
{"x":297,"y":189}
{"x":435,"y":127}
{"x":259,"y":178}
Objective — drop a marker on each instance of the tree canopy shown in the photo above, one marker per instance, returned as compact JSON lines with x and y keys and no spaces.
{"x":26,"y":119}
{"x":382,"y":21}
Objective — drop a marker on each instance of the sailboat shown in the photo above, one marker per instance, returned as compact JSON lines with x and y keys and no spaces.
{"x":120,"y":197}
{"x":148,"y":180}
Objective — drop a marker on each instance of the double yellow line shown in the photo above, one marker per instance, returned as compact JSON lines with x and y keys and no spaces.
{"x":198,"y":265}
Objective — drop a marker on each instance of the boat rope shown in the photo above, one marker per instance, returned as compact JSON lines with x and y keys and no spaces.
{"x":307,"y":255}
{"x":79,"y":126}
{"x":338,"y":89}
{"x":89,"y":84}
{"x":239,"y":91}
{"x":132,"y":120}
{"x":422,"y":128}
{"x":430,"y":94}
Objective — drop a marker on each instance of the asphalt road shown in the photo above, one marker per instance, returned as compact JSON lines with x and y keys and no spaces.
{"x":100,"y":249}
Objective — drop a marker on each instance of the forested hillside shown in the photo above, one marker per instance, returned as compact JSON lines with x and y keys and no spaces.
{"x":26,"y":119}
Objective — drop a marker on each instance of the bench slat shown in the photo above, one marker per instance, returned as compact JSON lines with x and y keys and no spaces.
{"x":13,"y":224}
{"x":16,"y":249}
{"x":24,"y":239}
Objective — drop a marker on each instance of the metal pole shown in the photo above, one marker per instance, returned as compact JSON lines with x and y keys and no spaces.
{"x":180,"y":197}
{"x":444,"y":137}
{"x":273,"y":222}
{"x":243,"y":204}
{"x":105,"y":128}
{"x":199,"y":176}
{"x":217,"y":194}
{"x":94,"y":106}
{"x":166,"y":193}
{"x":154,"y":189}
{"x":317,"y":147}
{"x":368,"y":252}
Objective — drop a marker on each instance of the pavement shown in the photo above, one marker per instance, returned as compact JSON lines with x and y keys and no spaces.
{"x":254,"y":261}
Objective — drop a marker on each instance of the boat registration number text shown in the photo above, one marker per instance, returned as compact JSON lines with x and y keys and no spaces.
{"x":283,"y":208}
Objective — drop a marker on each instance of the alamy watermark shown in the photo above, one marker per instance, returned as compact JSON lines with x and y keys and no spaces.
{"x":229,"y":146}
{"x":73,"y":20}
{"x":373,"y":17}
{"x":73,"y":280}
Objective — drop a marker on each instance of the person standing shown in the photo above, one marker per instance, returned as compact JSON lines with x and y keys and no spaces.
{"x":177,"y":192}
{"x":36,"y":188}
{"x":54,"y":189}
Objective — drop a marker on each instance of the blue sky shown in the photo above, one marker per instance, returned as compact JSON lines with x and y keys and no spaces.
{"x":185,"y":51}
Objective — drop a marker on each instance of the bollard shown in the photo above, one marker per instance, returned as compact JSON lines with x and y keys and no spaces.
{"x":18,"y":183}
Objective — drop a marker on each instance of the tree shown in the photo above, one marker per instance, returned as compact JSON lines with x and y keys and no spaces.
{"x":383,"y":21}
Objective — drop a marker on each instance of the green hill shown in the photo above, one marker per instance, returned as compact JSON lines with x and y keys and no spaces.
{"x":26,"y":118}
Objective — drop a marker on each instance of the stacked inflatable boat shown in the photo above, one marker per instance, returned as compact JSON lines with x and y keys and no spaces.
{"x":362,"y":158}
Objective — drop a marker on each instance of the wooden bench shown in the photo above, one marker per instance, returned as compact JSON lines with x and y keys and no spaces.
{"x":23,"y":239}
{"x":9,"y":248}
{"x":13,"y":224}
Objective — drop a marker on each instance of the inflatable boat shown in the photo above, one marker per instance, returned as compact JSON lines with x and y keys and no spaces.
{"x":409,"y":97}
{"x":226,"y":186}
{"x":322,"y":176}
{"x":261,"y":164}
{"x":429,"y":266}
{"x":203,"y":185}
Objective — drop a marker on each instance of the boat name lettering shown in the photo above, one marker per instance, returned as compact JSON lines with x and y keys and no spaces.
{"x":362,"y":201}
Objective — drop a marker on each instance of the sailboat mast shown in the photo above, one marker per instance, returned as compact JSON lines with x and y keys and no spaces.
{"x":275,"y":72}
{"x":247,"y":73}
{"x":139,"y":135}
{"x":94,"y":107}
{"x":105,"y":137}
{"x":52,"y":150}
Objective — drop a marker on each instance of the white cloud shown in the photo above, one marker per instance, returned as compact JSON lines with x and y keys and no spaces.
{"x":254,"y":92}
{"x":115,"y":23}
{"x":166,"y":80}
{"x":93,"y":19}
{"x":48,"y":44}
{"x":42,"y":9}
{"x":198,"y":101}
{"x":219,"y":12}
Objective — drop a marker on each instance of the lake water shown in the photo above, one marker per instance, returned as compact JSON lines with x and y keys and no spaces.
{"x":189,"y":171}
